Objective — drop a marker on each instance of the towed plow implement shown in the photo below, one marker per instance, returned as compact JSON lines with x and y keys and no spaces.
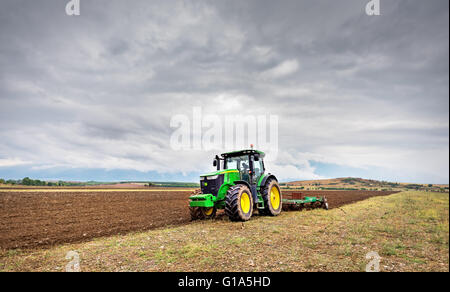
{"x":298,"y":202}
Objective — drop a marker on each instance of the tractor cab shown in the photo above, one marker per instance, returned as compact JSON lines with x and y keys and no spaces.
{"x":244,"y":166}
{"x":249,"y":163}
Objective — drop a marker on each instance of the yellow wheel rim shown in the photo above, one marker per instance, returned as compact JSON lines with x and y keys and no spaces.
{"x":208,"y":211}
{"x":245,"y":203}
{"x":275,"y":197}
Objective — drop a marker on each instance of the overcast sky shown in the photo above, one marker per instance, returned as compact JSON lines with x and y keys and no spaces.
{"x":91,"y":96}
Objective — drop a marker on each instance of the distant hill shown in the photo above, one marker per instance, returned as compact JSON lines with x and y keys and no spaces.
{"x":350,"y":183}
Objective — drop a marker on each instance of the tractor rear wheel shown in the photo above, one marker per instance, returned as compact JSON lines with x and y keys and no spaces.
{"x":239,"y":203}
{"x":272,"y":198}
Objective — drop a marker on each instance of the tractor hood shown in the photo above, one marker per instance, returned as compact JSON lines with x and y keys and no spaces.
{"x":219,"y":172}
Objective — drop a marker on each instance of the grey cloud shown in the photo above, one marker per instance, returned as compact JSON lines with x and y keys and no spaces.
{"x":120,"y":71}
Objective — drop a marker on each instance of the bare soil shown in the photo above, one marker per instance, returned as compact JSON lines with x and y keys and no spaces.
{"x":40,"y":219}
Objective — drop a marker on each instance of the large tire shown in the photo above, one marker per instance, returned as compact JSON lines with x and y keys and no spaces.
{"x":208,"y":213}
{"x":196,"y":213}
{"x":273,"y":200}
{"x":239,"y":203}
{"x":201,"y":213}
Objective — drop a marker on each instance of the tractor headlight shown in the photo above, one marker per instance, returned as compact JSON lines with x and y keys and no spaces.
{"x":212,"y":177}
{"x":202,"y":178}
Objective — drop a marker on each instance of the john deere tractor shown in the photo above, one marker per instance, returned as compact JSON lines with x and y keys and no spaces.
{"x":240,"y":185}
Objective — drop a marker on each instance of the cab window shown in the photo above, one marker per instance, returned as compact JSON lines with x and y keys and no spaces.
{"x":240,"y":163}
{"x":259,"y":169}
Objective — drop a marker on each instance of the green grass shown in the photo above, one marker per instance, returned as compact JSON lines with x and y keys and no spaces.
{"x":408,"y":230}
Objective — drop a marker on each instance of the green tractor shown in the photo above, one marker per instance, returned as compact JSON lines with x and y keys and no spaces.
{"x":240,"y":185}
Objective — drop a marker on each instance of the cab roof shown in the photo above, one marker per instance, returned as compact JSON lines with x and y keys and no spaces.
{"x":243,"y":152}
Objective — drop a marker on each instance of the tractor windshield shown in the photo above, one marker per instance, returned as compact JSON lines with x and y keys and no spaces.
{"x":240,"y":163}
{"x":237,"y":162}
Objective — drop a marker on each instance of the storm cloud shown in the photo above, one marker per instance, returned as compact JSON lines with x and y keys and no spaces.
{"x":363,"y":95}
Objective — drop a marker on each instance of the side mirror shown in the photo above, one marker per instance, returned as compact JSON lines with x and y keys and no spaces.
{"x":216,"y":162}
{"x":256,"y":157}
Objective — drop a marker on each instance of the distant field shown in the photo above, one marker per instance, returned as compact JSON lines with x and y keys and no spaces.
{"x":409,"y":230}
{"x":115,"y":185}
{"x":351,"y":183}
{"x":89,"y":190}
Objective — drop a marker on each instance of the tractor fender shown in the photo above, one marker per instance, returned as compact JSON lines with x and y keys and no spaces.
{"x":242,"y":182}
{"x":265,"y":178}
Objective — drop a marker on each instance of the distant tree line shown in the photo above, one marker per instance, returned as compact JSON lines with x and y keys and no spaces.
{"x":36,"y":182}
{"x":26,"y":181}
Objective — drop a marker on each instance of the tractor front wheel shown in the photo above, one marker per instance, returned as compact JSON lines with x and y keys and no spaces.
{"x":239,"y":203}
{"x":208,"y":213}
{"x":201,"y":213}
{"x":195,"y":213}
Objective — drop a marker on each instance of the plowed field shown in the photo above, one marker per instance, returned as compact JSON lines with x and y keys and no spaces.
{"x":43,"y":218}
